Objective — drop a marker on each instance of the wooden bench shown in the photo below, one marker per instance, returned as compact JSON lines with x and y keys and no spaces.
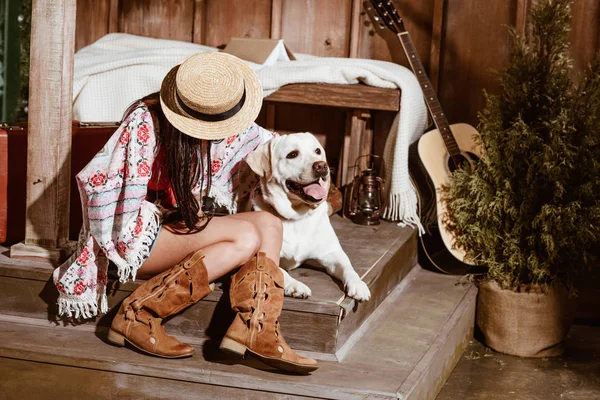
{"x":359,"y":100}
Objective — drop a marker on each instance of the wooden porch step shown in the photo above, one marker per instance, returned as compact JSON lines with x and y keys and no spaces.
{"x":326,"y":324}
{"x":409,"y":347}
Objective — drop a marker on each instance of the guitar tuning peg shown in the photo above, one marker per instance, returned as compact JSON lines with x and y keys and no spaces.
{"x":376,"y":18}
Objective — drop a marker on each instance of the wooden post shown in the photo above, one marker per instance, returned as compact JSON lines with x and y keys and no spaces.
{"x":49,"y":138}
{"x":355,"y":20}
{"x":199,"y":29}
{"x":113,"y":16}
{"x":523,"y":8}
{"x":276,"y":10}
{"x":357,"y":142}
{"x":437,"y":34}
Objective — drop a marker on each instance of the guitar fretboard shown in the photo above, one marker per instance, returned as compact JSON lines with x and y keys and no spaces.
{"x":431,"y":99}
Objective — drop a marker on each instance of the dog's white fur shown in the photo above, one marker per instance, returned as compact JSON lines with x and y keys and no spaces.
{"x":308,"y":236}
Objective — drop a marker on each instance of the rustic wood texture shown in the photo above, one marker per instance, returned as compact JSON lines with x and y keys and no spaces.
{"x":59,"y":382}
{"x":475,"y":42}
{"x":50,"y":114}
{"x":313,"y":27}
{"x":355,"y":126}
{"x":199,"y":30}
{"x":252,"y":19}
{"x":460,"y":42}
{"x":585,"y":34}
{"x":355,"y":22}
{"x":382,"y":281}
{"x":92,"y":21}
{"x":435,"y":50}
{"x":276,"y":14}
{"x":343,"y":96}
{"x":403,"y":345}
{"x":113,"y":15}
{"x":156,"y":18}
{"x":382,"y":255}
{"x":379,"y":44}
{"x":522,"y":13}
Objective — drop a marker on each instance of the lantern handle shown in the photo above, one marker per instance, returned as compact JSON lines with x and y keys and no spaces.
{"x":363,"y":156}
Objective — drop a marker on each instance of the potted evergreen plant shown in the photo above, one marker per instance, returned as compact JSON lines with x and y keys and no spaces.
{"x":529,"y":211}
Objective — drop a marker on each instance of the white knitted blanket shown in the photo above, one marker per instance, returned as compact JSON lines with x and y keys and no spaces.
{"x":120,"y":68}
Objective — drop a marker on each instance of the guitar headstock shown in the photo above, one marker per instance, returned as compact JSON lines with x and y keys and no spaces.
{"x":385,"y":15}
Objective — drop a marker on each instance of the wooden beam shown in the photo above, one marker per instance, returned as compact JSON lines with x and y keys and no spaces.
{"x":343,"y":96}
{"x":270,"y":124}
{"x":439,"y":7}
{"x":113,"y":16}
{"x":199,"y":30}
{"x":523,"y":7}
{"x":49,"y":137}
{"x":358,"y":140}
{"x":355,"y":19}
{"x":276,"y":13}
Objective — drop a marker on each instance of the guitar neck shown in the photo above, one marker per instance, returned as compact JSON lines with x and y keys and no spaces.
{"x":431,"y":99}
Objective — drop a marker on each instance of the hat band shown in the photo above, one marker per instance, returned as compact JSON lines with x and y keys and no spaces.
{"x":213,"y":117}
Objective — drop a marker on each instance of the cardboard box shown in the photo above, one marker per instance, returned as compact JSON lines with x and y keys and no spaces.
{"x":259,"y":51}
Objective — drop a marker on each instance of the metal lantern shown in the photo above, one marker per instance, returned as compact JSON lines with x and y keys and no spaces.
{"x":364,"y":205}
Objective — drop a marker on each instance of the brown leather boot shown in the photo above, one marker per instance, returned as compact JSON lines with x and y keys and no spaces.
{"x":139,"y":320}
{"x":257,"y":296}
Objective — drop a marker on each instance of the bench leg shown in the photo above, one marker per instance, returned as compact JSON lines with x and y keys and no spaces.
{"x":358,"y":141}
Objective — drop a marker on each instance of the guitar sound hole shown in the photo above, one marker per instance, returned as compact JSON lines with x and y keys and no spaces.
{"x":452,"y":166}
{"x":464,"y":159}
{"x":473,"y":157}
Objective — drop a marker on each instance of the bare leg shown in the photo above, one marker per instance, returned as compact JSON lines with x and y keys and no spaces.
{"x":227,"y":243}
{"x":271,"y":232}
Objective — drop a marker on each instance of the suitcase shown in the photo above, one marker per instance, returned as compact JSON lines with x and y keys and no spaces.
{"x":88,"y":139}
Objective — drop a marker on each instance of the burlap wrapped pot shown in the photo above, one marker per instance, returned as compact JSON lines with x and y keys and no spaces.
{"x":528,"y":323}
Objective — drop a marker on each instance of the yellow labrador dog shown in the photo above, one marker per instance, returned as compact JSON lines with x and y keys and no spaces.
{"x":294,"y":182}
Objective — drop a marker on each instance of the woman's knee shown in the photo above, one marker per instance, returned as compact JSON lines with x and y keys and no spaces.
{"x":269,"y":225}
{"x":248,"y":238}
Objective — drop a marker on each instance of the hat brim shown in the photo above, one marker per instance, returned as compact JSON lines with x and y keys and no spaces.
{"x":218,"y":129}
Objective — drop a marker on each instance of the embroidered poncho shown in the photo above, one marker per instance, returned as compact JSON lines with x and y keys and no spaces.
{"x":120,"y":225}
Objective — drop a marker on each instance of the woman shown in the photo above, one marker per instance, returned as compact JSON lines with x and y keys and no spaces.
{"x":182,"y":150}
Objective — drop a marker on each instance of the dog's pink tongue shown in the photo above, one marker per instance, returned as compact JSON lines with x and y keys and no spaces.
{"x":315,"y":191}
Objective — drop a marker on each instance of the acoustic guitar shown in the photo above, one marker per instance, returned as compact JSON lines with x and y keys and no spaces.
{"x":441,"y":150}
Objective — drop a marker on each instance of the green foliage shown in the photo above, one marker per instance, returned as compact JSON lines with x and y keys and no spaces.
{"x":19,"y":114}
{"x":530,"y":210}
{"x":25,"y":31}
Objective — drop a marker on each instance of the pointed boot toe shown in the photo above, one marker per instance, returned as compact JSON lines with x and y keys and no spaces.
{"x":139,"y":319}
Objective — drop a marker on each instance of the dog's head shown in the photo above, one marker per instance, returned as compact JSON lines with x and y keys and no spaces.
{"x":297,"y":164}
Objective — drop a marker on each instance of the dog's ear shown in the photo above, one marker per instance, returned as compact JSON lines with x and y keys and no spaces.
{"x":260,"y":159}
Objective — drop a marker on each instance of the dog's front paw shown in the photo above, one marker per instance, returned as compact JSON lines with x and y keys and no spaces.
{"x":358,"y":290}
{"x":295,"y":288}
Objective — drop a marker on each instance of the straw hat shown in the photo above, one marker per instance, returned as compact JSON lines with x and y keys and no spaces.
{"x":211,"y":96}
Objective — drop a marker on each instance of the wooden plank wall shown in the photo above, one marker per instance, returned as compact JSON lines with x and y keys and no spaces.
{"x":461,"y":42}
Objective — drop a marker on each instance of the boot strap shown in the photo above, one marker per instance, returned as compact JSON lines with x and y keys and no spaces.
{"x":193,"y":260}
{"x":168,"y":279}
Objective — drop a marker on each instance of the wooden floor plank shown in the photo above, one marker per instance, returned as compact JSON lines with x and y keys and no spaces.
{"x":407,"y":329}
{"x":27,"y":380}
{"x":365,"y":245}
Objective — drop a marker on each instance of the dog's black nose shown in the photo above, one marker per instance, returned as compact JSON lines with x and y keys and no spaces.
{"x":321,"y":168}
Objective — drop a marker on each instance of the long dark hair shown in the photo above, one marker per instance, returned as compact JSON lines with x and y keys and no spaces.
{"x":185,"y":166}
